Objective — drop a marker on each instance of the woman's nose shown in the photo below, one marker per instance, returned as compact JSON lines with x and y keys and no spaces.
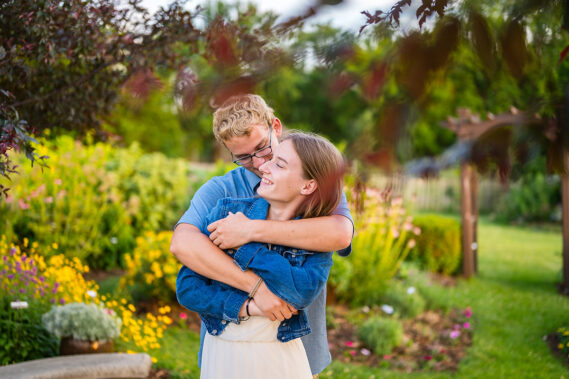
{"x":264,"y":167}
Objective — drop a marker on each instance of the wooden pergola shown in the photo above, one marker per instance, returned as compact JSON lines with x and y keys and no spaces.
{"x":469,"y":127}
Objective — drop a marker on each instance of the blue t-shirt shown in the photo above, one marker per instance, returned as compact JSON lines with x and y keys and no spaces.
{"x":242,"y":183}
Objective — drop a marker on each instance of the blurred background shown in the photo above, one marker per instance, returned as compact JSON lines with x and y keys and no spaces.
{"x":106,"y":112}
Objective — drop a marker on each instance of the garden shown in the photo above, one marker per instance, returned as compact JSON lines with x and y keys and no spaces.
{"x":106,"y":135}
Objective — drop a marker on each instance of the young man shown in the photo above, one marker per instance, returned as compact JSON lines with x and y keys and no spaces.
{"x":249,"y":130}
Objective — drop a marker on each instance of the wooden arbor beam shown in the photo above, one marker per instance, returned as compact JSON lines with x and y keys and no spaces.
{"x":468,"y":127}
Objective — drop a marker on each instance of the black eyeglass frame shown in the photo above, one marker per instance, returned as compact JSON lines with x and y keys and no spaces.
{"x":249,"y":158}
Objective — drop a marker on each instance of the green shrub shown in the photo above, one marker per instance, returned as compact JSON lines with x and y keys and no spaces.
{"x":438,"y":246}
{"x":384,"y":235}
{"x":86,"y":322}
{"x":151,"y":269}
{"x":94,"y":200}
{"x":381,"y":334}
{"x":535,"y":196}
{"x":406,"y":300}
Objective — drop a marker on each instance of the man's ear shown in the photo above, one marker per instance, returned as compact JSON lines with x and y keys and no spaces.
{"x":277,"y":127}
{"x":309,"y":187}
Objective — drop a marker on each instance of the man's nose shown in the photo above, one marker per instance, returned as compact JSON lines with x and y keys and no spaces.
{"x":258,"y":162}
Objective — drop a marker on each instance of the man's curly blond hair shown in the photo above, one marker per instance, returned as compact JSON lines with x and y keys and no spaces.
{"x":236,"y":116}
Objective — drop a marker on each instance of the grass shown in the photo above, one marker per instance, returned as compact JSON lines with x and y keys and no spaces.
{"x":514,"y":303}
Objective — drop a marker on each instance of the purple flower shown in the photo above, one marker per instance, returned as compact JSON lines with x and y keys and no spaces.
{"x":42,"y":279}
{"x":456,"y":326}
{"x":454,"y":334}
{"x":10,"y":276}
{"x":55,"y":287}
{"x":467,"y":312}
{"x":62,"y":301}
{"x":24,"y":258}
{"x":13,"y":251}
{"x":5,"y":258}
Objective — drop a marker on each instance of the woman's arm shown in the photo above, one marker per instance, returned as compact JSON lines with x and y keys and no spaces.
{"x":208,"y":297}
{"x":297,"y":285}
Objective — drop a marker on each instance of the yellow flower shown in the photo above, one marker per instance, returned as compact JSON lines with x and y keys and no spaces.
{"x":54,"y":246}
{"x":560,"y":346}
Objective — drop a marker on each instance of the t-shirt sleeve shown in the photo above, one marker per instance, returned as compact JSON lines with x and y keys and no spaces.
{"x":203,"y":202}
{"x":343,"y":210}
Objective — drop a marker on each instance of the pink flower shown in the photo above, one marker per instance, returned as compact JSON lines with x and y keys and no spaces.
{"x":24,"y":205}
{"x":454,"y":334}
{"x":365,"y":352}
{"x":387,"y":356}
{"x":349,"y":344}
{"x":183,"y":315}
{"x":411,"y":244}
{"x":466,"y":325}
{"x":456,"y":326}
{"x":467,"y":312}
{"x":353,"y":353}
{"x":49,"y":200}
{"x":427,"y":357}
{"x":57,"y":182}
{"x":61,"y":194}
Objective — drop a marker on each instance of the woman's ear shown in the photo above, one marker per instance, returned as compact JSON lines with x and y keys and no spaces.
{"x":309,"y":187}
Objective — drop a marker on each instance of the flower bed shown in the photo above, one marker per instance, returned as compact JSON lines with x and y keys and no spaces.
{"x":431,"y":341}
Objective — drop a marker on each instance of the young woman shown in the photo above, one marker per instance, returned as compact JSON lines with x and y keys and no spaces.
{"x":303,"y":179}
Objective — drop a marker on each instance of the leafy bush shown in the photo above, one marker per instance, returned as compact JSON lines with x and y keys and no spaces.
{"x":405,"y":300}
{"x":94,"y":199}
{"x":381,"y":334}
{"x":438,"y":245}
{"x":87,"y":322}
{"x":62,"y":282}
{"x":24,"y":295}
{"x":562,"y":335}
{"x":535,"y":197}
{"x":151,"y":269}
{"x":384,"y":236}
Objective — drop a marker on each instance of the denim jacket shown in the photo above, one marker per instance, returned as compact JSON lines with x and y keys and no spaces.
{"x":294,"y":275}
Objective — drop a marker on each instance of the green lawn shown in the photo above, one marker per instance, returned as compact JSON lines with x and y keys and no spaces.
{"x":514,"y":303}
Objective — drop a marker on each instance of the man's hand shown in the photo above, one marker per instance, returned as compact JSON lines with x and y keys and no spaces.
{"x":272,"y":306}
{"x":230,"y":232}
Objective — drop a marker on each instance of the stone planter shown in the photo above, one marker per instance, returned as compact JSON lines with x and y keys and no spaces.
{"x":70,"y":346}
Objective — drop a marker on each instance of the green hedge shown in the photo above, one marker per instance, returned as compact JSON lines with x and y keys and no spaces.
{"x":93,"y":200}
{"x":438,"y":246}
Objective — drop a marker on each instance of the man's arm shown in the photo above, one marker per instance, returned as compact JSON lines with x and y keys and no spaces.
{"x":323,"y":234}
{"x":194,"y":249}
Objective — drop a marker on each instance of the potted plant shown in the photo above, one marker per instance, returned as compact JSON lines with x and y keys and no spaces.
{"x":83,"y":328}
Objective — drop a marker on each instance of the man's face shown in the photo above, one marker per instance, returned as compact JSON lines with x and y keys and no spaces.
{"x":258,"y":139}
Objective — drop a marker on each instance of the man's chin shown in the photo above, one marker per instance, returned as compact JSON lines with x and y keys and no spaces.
{"x":255,"y":171}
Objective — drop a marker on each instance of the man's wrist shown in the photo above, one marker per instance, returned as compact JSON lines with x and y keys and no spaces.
{"x":255,"y":230}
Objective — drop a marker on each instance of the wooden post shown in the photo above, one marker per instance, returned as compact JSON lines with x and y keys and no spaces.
{"x":565,"y":215}
{"x":474,"y":197}
{"x":467,"y":226}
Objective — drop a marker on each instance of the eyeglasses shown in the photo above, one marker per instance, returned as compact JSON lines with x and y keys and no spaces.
{"x":261,"y":153}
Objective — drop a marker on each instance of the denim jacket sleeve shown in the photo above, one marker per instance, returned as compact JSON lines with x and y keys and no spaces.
{"x":208,"y":297}
{"x":297,"y":284}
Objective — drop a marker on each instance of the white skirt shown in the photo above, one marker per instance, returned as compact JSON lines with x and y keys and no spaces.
{"x":251,"y":350}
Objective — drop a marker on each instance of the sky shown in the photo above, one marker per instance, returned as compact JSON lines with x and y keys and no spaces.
{"x":346,"y":15}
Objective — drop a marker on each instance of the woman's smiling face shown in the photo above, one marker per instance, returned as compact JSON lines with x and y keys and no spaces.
{"x":282,"y":177}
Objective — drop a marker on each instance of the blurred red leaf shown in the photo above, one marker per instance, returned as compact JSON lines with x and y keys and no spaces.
{"x":242,"y":85}
{"x":563,"y":54}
